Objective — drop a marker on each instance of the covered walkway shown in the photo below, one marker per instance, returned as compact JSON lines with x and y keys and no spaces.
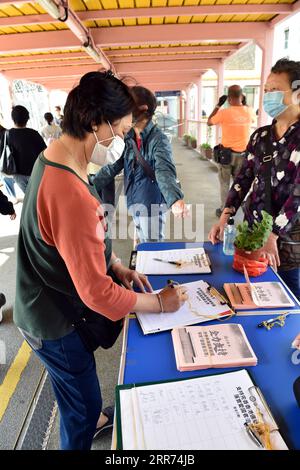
{"x":165,"y":45}
{"x":28,"y":417}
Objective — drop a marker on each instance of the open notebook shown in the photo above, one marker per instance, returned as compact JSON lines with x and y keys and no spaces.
{"x":254,"y":295}
{"x":203,"y":347}
{"x":195,"y":413}
{"x":186,"y":261}
{"x":202,"y":305}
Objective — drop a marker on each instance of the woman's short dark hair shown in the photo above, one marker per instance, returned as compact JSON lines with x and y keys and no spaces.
{"x":291,"y":68}
{"x":20,"y":115}
{"x":144,"y":96}
{"x":48,"y":117}
{"x":98,"y":98}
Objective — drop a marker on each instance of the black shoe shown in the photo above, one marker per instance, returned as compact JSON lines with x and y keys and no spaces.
{"x":219,"y":212}
{"x":109,"y":412}
{"x":2,"y":300}
{"x":2,"y":303}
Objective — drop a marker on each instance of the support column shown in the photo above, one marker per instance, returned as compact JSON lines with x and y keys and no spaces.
{"x":187,"y":110}
{"x":266,"y":46}
{"x":181,"y":116}
{"x":6,"y":100}
{"x":220,"y":92}
{"x":199,"y":111}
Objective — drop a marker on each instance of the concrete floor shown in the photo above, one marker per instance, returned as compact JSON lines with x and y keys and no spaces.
{"x":201,"y":187}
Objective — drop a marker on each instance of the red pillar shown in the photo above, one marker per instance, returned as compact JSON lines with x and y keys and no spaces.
{"x":181,"y":116}
{"x":220,"y":92}
{"x":266,"y":46}
{"x":199,"y":111}
{"x":187,"y":110}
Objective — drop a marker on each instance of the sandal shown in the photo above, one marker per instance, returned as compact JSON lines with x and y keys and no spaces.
{"x":109,"y":413}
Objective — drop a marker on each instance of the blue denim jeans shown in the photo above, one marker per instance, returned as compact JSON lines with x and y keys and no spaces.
{"x":72,"y":371}
{"x":21,"y":180}
{"x":9,"y":184}
{"x":150,"y":229}
{"x":292,"y":280}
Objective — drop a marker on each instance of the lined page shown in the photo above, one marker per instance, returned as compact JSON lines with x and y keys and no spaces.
{"x":202,"y":413}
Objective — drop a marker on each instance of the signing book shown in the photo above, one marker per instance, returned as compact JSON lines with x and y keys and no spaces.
{"x":256,"y":295}
{"x":203,"y":347}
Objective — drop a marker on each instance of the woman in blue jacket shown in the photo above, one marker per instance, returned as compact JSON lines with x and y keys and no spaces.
{"x":150,"y":182}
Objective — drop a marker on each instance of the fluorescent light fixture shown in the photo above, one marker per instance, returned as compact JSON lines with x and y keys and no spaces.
{"x":51,"y":7}
{"x":94,"y":54}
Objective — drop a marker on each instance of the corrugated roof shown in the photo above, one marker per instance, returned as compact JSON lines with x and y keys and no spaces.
{"x":23,"y":22}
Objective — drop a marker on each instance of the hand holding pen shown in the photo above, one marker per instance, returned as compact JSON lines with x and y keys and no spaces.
{"x":172,"y":297}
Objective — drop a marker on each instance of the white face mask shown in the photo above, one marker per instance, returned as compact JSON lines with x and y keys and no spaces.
{"x":103,"y":155}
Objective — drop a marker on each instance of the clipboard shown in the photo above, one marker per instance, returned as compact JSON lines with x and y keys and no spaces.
{"x":132,"y":261}
{"x":256,"y":394}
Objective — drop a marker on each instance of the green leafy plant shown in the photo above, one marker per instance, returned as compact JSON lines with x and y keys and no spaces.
{"x":206,"y":146}
{"x":193,"y":142}
{"x":206,"y":151}
{"x":251,"y":239}
{"x":186,"y":138}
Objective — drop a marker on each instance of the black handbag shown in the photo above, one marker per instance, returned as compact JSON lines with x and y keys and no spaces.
{"x":95,"y":330}
{"x":222,"y":155}
{"x":7,"y":162}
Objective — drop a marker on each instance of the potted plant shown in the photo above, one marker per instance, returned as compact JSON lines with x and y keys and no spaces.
{"x":193,"y":142}
{"x":186,"y":139}
{"x":249,"y":242}
{"x":206,"y":151}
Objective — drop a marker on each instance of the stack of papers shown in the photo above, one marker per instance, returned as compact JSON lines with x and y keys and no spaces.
{"x":196,"y":413}
{"x":186,"y":261}
{"x":201,"y":306}
{"x":202,"y":347}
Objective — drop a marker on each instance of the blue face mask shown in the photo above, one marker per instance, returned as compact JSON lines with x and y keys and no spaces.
{"x":273,"y":103}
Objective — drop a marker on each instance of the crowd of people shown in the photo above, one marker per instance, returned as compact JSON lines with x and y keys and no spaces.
{"x":65,"y":267}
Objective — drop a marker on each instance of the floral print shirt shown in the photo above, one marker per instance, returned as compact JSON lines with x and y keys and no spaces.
{"x":285,"y":178}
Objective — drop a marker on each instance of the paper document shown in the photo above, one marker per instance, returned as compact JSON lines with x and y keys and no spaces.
{"x":198,"y":413}
{"x":201,"y":306}
{"x":186,"y":261}
{"x":203,"y":347}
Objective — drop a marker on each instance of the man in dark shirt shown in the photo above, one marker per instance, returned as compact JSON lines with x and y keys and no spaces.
{"x":25,"y":144}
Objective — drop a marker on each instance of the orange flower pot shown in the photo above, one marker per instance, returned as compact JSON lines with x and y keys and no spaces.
{"x":253,"y":261}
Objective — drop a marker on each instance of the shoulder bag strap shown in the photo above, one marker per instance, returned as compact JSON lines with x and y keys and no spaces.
{"x":144,"y":164}
{"x":267,"y":160}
